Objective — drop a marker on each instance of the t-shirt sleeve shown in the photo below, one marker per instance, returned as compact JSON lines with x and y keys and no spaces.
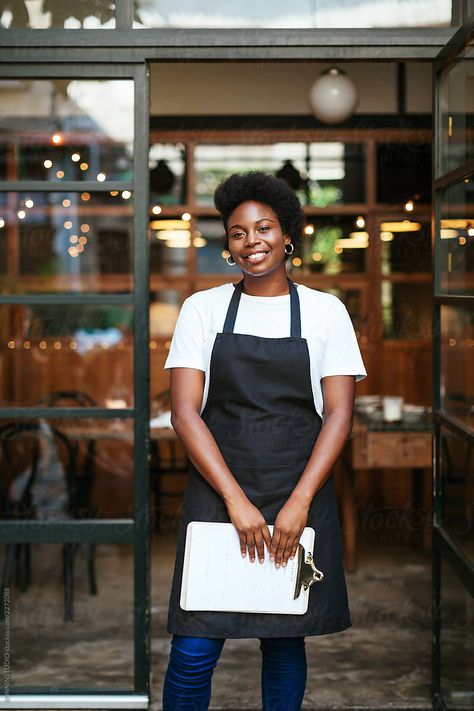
{"x":187,"y":343}
{"x":342,"y":355}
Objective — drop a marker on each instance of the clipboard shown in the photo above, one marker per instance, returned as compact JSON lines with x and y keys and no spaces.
{"x":217,"y":579}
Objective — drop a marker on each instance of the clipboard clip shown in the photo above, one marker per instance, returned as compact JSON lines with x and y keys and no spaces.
{"x":307,"y":573}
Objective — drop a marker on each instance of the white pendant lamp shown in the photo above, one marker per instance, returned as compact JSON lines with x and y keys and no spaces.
{"x":333,"y":96}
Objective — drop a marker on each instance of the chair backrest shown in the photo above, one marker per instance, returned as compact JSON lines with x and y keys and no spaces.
{"x":78,"y":397}
{"x":36,"y":482}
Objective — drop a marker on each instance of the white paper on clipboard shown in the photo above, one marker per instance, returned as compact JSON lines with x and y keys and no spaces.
{"x":217,"y":578}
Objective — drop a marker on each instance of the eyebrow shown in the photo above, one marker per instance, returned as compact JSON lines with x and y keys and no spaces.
{"x":256,"y":222}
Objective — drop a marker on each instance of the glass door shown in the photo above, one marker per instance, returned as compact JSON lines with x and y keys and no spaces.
{"x":74,"y":371}
{"x":453,"y":500}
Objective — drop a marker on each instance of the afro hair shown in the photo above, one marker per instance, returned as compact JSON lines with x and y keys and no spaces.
{"x":266,"y":188}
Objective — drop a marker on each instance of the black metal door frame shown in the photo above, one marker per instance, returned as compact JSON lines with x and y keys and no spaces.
{"x":445,"y":545}
{"x":136,"y":530}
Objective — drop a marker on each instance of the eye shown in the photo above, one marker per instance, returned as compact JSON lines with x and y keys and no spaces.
{"x":264,"y":227}
{"x":236,"y":234}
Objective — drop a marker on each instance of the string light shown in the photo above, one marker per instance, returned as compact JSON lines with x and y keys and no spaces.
{"x":48,"y":163}
{"x":156,"y":209}
{"x":75,"y":157}
{"x":101,"y":177}
{"x":21,"y":214}
{"x":66,"y":202}
{"x":68,"y":224}
{"x":60,"y":174}
{"x":360,"y":222}
{"x":42,"y":345}
{"x":126,"y":194}
{"x":85,"y":196}
{"x":186,"y":216}
{"x":85,"y":228}
{"x":57,"y":139}
{"x":2,"y":222}
{"x":309,"y":230}
{"x":409,"y":206}
{"x":84,"y":166}
{"x":29,"y":202}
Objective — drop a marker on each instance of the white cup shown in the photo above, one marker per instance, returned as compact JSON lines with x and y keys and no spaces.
{"x":392,"y":408}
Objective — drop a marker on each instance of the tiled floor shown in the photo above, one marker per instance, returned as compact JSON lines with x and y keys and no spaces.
{"x":382,"y":661}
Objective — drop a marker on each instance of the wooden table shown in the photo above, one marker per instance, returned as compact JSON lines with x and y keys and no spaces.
{"x":375,"y":445}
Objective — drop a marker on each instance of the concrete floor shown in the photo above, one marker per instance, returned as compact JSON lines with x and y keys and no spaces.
{"x":383,"y":661}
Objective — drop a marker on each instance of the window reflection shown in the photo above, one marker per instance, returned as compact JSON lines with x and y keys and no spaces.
{"x":42,"y":14}
{"x":456,"y":245}
{"x":66,"y":130}
{"x":53,"y":348}
{"x":66,"y":241}
{"x":457,"y":346}
{"x":276,"y":13}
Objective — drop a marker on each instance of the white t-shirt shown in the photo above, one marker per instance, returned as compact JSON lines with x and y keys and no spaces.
{"x":325,"y":323}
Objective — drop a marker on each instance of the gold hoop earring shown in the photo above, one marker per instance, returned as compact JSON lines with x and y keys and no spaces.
{"x":290,"y":244}
{"x":230,"y":263}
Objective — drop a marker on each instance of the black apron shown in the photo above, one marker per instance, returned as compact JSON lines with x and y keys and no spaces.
{"x":260,"y":410}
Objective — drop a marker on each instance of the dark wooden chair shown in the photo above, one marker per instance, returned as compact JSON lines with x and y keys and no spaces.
{"x":21,"y":455}
{"x":167,"y":458}
{"x":82,"y":506}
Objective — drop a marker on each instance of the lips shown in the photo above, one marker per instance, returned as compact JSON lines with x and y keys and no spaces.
{"x":255,"y":257}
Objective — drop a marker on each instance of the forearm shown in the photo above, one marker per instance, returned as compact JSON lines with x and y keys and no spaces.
{"x":326,"y":451}
{"x":206,"y":456}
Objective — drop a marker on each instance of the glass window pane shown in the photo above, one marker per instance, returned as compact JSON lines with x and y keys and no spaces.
{"x":332,"y":245}
{"x":456,"y":245}
{"x":456,"y":144}
{"x":66,"y":242}
{"x":457,"y":642}
{"x":271,"y":13}
{"x":46,"y":349}
{"x":167,"y":174}
{"x":44,"y":14}
{"x":405,"y":246}
{"x":403,"y":172}
{"x":56,"y":130}
{"x":322,"y":174}
{"x":92,"y":652}
{"x":457,"y":482}
{"x":84,"y":467}
{"x":457,"y":346}
{"x":407,"y":310}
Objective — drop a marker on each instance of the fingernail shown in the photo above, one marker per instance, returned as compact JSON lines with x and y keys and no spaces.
{"x":277,"y":565}
{"x":284,"y":564}
{"x":261,"y":560}
{"x":272,"y":558}
{"x":243,"y":555}
{"x":253,"y":560}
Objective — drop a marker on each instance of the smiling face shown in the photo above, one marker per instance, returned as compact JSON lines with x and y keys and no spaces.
{"x":256,"y":240}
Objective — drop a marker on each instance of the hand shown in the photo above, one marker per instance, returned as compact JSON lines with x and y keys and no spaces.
{"x":288,"y":527}
{"x":251,"y":527}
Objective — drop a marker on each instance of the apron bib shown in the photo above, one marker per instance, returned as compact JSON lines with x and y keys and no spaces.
{"x":260,"y":410}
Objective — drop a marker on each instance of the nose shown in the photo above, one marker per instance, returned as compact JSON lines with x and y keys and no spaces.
{"x":252,"y":238}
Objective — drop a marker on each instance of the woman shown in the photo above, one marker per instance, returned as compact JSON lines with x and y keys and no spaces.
{"x":262,"y":388}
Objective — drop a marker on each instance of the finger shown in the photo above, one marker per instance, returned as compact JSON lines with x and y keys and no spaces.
{"x":251,"y":546}
{"x":280,"y":550}
{"x":267,"y":537}
{"x":243,"y":545}
{"x":275,"y":543}
{"x":294,"y":550}
{"x":288,"y":548}
{"x":259,"y":543}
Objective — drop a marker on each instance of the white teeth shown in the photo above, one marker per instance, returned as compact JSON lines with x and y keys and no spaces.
{"x":257,"y":255}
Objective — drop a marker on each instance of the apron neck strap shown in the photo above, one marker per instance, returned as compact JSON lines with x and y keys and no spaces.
{"x":231,"y":315}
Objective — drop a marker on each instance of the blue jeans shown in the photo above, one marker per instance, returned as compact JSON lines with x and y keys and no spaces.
{"x":187,"y":684}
